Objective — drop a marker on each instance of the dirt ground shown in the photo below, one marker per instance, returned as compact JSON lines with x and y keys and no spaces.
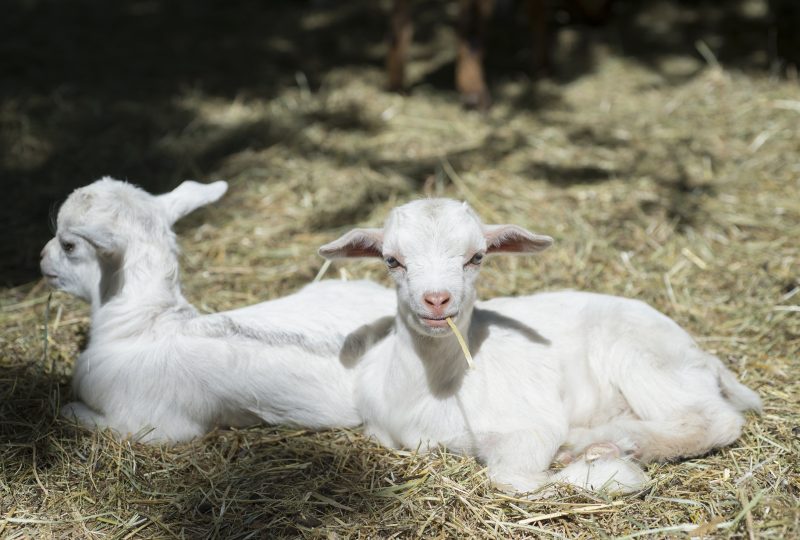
{"x":662,"y":156}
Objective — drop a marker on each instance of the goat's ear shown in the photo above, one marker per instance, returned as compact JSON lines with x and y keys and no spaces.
{"x":356,"y":243}
{"x":190,"y":196}
{"x":514,"y":239}
{"x":102,"y":239}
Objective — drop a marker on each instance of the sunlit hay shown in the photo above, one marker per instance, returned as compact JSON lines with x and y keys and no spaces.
{"x":681,"y":193}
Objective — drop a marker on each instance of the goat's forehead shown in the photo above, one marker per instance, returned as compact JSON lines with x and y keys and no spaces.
{"x":434,"y":226}
{"x":77,"y":205}
{"x":103,"y":199}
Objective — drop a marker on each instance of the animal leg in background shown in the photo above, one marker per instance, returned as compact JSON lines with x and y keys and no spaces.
{"x":400,"y":35}
{"x":473,"y":22}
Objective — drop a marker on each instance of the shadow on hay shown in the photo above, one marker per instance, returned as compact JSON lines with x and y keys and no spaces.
{"x":567,"y":175}
{"x":29,"y":401}
{"x":91,"y":88}
{"x":280,"y":482}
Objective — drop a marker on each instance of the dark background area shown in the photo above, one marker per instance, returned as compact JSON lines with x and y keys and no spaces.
{"x":90,"y":88}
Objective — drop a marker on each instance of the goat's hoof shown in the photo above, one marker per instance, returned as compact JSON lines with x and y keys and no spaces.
{"x":602,"y":451}
{"x":565,"y":457}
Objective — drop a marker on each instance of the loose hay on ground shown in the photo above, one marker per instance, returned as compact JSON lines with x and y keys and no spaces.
{"x":682,"y":194}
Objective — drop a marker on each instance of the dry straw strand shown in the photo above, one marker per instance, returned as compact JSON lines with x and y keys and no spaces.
{"x":462,"y":342}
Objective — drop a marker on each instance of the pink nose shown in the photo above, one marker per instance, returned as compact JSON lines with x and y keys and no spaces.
{"x":437,"y":301}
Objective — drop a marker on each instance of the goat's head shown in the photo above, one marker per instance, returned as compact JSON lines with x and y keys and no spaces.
{"x":99,"y":223}
{"x":433,"y":249}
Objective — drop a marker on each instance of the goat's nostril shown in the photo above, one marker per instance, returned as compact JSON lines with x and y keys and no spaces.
{"x":437,"y":299}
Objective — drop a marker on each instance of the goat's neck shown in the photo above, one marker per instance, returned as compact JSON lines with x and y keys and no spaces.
{"x":144,"y":282}
{"x":441,"y":358}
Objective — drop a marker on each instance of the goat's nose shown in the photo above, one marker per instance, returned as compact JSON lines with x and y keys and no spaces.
{"x":41,"y":253}
{"x":437,"y":300}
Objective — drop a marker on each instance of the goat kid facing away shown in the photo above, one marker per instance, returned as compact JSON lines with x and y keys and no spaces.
{"x":597,"y":380}
{"x":156,"y":368}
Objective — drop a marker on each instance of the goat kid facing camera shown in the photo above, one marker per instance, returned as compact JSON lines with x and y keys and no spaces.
{"x":592,"y":380}
{"x":157,"y":369}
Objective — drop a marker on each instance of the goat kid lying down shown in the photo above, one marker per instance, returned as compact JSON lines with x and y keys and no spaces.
{"x":156,"y":368}
{"x":602,"y":379}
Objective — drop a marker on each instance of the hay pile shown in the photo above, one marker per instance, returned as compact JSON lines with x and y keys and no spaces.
{"x":682,"y":192}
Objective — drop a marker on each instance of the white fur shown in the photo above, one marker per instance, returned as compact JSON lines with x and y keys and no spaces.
{"x":157,"y":369}
{"x":552,"y":371}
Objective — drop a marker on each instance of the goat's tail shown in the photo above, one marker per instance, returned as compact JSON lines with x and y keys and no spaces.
{"x":740,"y":396}
{"x":617,"y":475}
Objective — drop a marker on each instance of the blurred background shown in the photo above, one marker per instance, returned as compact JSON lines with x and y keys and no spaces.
{"x":156,"y":91}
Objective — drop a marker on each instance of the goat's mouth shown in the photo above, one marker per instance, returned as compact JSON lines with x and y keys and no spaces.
{"x":52,"y":280}
{"x":436,"y":322}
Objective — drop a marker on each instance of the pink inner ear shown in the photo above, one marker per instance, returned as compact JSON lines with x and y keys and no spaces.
{"x":514,"y":239}
{"x":362,"y":244}
{"x":356,"y":243}
{"x":510,"y":245}
{"x":361,"y":250}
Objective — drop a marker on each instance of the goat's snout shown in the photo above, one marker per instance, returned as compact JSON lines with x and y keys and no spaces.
{"x":45,"y":252}
{"x":437,"y":302}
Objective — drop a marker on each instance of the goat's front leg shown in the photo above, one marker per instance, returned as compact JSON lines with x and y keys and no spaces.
{"x":472,"y":29}
{"x":83,"y":415}
{"x":520,"y":460}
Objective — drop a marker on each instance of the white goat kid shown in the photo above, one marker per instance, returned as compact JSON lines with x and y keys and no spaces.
{"x":599,"y":377}
{"x":154,"y":367}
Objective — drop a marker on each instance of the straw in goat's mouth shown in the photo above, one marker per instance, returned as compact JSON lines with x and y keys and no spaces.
{"x":461,"y":342}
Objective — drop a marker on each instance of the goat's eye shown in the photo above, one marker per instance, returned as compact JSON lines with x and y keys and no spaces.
{"x":391,"y":262}
{"x":68,"y":247}
{"x":476,"y":259}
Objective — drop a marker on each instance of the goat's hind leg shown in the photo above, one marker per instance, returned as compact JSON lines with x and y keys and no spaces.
{"x":673,"y":415}
{"x":170,"y":429}
{"x":683,"y":410}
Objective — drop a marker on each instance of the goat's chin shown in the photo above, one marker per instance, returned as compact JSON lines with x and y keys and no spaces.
{"x":435,"y":332}
{"x":58,"y":284}
{"x":55,"y":283}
